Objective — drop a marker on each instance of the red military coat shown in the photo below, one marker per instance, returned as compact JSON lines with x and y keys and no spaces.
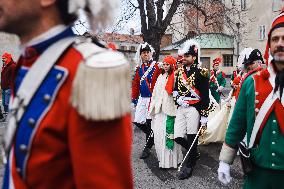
{"x":56,"y":147}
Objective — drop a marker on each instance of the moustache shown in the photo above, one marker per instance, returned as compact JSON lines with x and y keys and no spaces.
{"x":279,"y":49}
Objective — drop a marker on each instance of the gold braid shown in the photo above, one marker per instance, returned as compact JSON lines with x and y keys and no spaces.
{"x":181,"y":84}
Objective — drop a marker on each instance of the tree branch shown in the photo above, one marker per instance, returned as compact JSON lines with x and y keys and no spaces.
{"x":170,"y":14}
{"x":142,"y":16}
{"x":151,"y":14}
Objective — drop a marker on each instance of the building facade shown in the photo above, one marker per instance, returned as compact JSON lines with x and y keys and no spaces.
{"x":255,"y":18}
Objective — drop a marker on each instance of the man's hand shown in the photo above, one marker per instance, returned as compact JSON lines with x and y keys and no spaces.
{"x":224,"y":173}
{"x":182,"y":102}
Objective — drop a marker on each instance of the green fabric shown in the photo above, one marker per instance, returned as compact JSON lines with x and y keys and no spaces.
{"x":270,"y":152}
{"x":169,"y":132}
{"x":213,"y":86}
{"x":261,"y":178}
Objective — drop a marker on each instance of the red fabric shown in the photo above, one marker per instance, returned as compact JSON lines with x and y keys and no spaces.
{"x":235,"y":73}
{"x":275,"y":22}
{"x":136,"y":82}
{"x":171,"y":79}
{"x":279,"y":112}
{"x":112,"y":46}
{"x":264,"y":88}
{"x":7,"y":74}
{"x":69,"y":151}
{"x":217,"y":61}
{"x":223,"y":75}
{"x":136,"y":85}
{"x":7,"y":56}
{"x":236,"y":84}
{"x":170,"y":83}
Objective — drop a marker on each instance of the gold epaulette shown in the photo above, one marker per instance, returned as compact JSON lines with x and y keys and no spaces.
{"x":204,"y":72}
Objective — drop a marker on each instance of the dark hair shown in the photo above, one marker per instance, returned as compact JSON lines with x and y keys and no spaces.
{"x":65,"y":16}
{"x":170,"y":71}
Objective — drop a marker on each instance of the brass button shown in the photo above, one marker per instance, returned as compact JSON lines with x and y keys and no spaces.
{"x":31,"y":122}
{"x":23,"y":148}
{"x":47,"y":97}
{"x":58,"y":76}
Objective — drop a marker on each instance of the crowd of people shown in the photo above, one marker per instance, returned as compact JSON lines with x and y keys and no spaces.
{"x":177,"y":101}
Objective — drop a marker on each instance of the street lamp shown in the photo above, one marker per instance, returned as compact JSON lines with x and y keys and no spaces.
{"x":238,"y":39}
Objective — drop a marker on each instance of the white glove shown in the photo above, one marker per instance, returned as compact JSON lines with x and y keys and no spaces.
{"x":220,"y":88}
{"x":175,"y":94}
{"x":224,"y":173}
{"x":133,"y":105}
{"x":203,"y":120}
{"x":181,"y":102}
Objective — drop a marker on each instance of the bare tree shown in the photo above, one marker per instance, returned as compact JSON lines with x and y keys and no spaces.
{"x":212,"y":16}
{"x":153,"y":21}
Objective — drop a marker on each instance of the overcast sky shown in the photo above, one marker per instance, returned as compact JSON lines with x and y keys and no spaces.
{"x":82,"y":25}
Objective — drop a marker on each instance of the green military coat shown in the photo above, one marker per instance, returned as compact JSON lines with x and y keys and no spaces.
{"x":216,"y":80}
{"x":267,"y":154}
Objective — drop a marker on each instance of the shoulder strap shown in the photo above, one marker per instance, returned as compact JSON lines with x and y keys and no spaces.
{"x":147,"y":72}
{"x":31,"y":83}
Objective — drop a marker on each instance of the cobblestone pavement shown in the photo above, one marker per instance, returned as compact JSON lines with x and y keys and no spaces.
{"x":148,"y":175}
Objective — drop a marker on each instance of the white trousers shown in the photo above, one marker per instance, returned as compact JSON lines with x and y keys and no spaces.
{"x":142,"y":113}
{"x":186,"y":122}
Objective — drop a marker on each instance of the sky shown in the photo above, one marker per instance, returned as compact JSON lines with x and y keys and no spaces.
{"x":82,"y":25}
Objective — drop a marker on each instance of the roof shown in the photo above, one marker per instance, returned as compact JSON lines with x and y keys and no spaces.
{"x":132,"y":39}
{"x":207,"y":41}
{"x":115,"y":37}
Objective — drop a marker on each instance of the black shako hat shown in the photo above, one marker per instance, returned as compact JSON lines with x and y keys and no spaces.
{"x":254,"y":55}
{"x":145,"y":47}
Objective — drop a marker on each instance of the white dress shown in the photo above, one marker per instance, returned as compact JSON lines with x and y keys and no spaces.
{"x":217,"y":125}
{"x":162,"y":106}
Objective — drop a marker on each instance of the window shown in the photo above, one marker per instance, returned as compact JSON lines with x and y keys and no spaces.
{"x":227,"y":60}
{"x":262,"y":32}
{"x":277,"y":5}
{"x":243,"y":4}
{"x":132,"y":48}
{"x":123,"y":47}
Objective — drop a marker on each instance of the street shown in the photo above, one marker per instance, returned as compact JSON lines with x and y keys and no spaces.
{"x":148,"y":175}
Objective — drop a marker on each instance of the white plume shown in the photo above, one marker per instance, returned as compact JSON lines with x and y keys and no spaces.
{"x":186,"y":46}
{"x":102,"y":12}
{"x":137,"y":55}
{"x":244,"y":55}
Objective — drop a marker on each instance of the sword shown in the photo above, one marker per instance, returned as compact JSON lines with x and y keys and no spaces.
{"x":185,"y":157}
{"x":148,"y":139}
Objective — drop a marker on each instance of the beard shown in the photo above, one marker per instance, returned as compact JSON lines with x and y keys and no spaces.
{"x":279,"y":59}
{"x":279,"y":82}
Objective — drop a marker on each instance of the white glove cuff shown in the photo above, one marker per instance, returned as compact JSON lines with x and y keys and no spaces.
{"x":227,"y":154}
